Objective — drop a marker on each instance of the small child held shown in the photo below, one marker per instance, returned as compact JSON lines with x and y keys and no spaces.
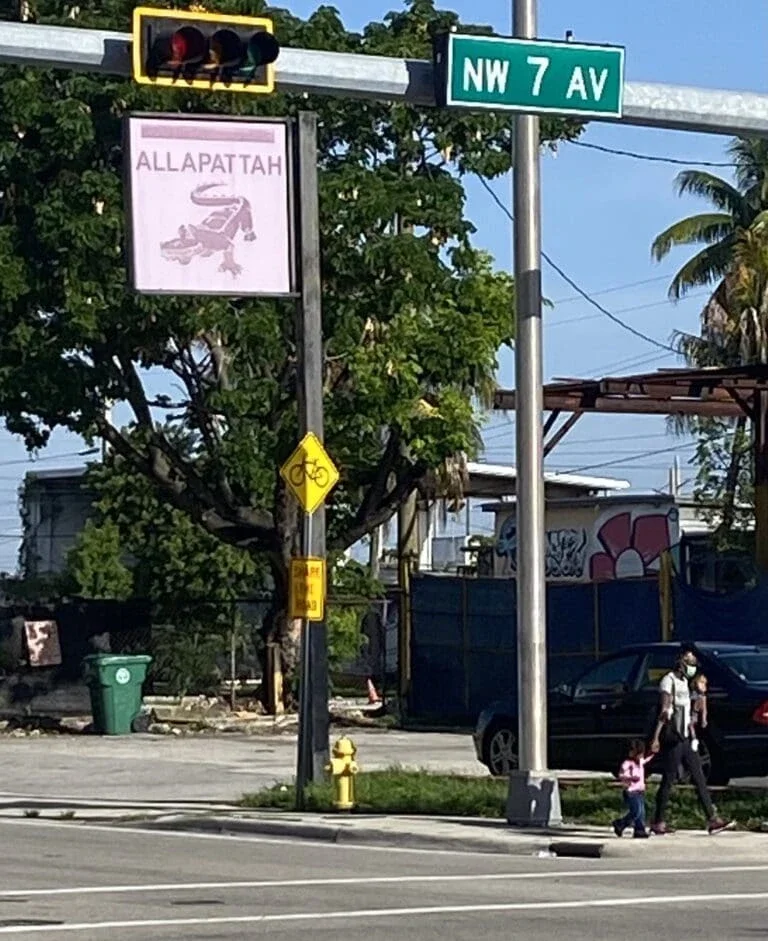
{"x":699,"y":701}
{"x":632,"y":776}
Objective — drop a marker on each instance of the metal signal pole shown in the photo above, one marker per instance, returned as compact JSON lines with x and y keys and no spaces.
{"x":533,"y":798}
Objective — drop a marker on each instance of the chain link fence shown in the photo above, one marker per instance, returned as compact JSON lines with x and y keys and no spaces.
{"x":362,"y":640}
{"x":204,"y":647}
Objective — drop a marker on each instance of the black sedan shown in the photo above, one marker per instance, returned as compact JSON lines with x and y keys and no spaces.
{"x":616,"y":699}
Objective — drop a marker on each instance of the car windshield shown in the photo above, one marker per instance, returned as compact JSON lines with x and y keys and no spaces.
{"x":751,"y":666}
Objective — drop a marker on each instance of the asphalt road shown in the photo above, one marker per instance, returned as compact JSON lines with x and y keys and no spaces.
{"x":195,"y":768}
{"x":95,"y":882}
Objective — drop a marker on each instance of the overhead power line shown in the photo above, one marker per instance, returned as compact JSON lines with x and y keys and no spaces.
{"x":613,"y":290}
{"x":574,"y":442}
{"x":624,"y":310}
{"x":634,"y":363}
{"x":652,"y":158}
{"x":30,"y":462}
{"x":642,"y":454}
{"x":576,"y":287}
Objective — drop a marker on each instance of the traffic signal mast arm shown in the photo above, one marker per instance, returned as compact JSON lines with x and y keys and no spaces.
{"x":361,"y":76}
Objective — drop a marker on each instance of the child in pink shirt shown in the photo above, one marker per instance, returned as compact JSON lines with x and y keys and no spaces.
{"x":632,"y":776}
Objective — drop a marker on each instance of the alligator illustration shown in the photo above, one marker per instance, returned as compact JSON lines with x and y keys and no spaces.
{"x":216,"y":233}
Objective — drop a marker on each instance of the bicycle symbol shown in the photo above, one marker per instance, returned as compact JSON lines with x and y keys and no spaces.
{"x":309,"y":470}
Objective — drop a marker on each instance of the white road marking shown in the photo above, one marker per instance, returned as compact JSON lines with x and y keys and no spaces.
{"x":549,"y":874}
{"x":376,"y":913}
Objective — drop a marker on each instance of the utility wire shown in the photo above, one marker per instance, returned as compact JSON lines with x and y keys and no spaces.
{"x":586,"y":467}
{"x":651,"y":158}
{"x":548,"y":322}
{"x":574,"y":442}
{"x":634,"y":363}
{"x":50,"y":457}
{"x":576,"y":287}
{"x":619,"y":287}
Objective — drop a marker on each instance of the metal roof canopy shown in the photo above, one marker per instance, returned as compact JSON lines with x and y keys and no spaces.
{"x":713,"y":392}
{"x":728,"y":392}
{"x":500,"y":480}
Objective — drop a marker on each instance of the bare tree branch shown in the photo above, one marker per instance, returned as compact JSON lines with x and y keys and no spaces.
{"x":180,"y":486}
{"x":378,"y":486}
{"x":386,"y":509}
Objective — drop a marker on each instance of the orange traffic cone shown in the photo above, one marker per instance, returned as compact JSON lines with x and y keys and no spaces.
{"x":373,"y":696}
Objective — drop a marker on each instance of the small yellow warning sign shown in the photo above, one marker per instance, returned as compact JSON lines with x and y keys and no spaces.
{"x":307,"y":585}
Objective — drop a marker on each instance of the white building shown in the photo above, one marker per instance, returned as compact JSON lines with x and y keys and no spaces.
{"x":446,"y":539}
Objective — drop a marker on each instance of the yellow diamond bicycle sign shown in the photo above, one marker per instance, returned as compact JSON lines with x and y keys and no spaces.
{"x":310,"y":473}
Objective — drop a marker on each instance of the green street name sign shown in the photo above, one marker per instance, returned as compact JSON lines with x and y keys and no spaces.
{"x":537,"y":76}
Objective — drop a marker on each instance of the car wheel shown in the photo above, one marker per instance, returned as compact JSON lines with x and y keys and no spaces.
{"x":500,"y":749}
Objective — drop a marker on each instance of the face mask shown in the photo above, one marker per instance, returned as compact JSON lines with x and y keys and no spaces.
{"x":690,"y":670}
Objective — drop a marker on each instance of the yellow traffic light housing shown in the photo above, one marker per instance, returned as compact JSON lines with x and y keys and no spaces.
{"x":210,"y":51}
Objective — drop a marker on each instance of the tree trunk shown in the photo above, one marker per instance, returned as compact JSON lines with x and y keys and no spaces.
{"x":280,"y":633}
{"x":732,"y":477}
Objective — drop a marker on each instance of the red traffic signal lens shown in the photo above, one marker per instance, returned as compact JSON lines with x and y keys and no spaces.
{"x":188,"y":46}
{"x":263,"y":49}
{"x":226,"y":50}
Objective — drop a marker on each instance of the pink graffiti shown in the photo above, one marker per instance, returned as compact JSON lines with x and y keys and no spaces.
{"x":630,"y":550}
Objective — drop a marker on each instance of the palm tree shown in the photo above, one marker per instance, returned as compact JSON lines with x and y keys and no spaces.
{"x":734,"y":260}
{"x":736,"y":208}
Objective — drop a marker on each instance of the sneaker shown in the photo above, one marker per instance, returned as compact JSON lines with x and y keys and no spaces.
{"x":716,"y":825}
{"x":661,"y":829}
{"x":640,"y":835}
{"x":618,"y":827}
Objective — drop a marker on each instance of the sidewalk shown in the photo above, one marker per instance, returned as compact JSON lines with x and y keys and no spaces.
{"x":438,"y":834}
{"x":471,"y":835}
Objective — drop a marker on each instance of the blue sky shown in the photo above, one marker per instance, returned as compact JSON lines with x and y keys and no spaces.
{"x":600,"y":215}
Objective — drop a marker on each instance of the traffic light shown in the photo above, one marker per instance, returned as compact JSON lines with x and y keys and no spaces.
{"x":187,"y":49}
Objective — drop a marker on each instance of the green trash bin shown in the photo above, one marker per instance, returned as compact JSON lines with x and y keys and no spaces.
{"x":115,"y":683}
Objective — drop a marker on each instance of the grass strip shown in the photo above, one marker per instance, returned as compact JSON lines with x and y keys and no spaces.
{"x":400,"y":792}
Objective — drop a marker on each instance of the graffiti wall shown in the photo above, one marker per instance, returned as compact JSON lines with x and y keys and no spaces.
{"x":595,"y":542}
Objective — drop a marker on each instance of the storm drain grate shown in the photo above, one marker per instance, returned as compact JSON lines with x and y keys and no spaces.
{"x":196,"y":902}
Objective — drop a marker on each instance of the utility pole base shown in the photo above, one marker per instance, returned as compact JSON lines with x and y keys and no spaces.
{"x":533,"y":800}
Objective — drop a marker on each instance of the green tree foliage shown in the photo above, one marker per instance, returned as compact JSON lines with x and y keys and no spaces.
{"x":413,"y":314}
{"x":96,"y":566}
{"x":140,"y":547}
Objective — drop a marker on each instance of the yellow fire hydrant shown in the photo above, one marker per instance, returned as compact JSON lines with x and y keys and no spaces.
{"x":343,"y":768}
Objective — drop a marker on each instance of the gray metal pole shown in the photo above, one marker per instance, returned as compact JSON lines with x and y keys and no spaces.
{"x":313,"y":704}
{"x":531,"y":600}
{"x":349,"y":75}
{"x":531,"y":579}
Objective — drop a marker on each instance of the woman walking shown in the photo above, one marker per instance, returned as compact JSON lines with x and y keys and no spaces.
{"x":673,"y":740}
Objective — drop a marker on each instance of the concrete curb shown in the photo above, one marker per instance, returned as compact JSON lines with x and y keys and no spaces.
{"x":517,"y":845}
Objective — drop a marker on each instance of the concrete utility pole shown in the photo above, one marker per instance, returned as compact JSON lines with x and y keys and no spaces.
{"x":534,"y":797}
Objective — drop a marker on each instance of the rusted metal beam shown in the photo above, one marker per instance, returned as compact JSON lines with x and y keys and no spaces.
{"x":549,"y":423}
{"x":688,"y":390}
{"x":747,"y":405}
{"x":640,"y":405}
{"x":561,"y":432}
